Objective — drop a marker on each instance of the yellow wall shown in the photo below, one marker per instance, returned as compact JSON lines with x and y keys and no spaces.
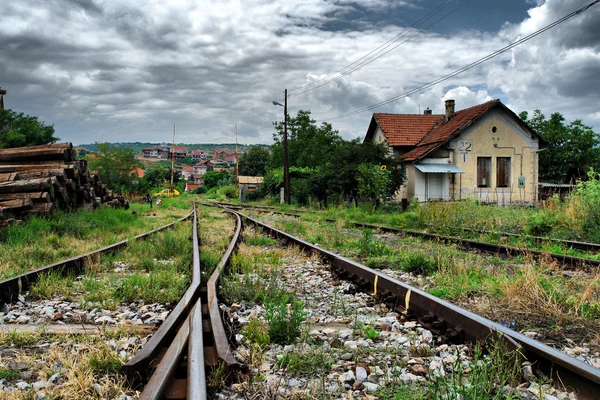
{"x":509,"y":140}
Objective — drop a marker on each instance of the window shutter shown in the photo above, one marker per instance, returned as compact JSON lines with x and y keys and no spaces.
{"x":503,"y":171}
{"x":484,"y":167}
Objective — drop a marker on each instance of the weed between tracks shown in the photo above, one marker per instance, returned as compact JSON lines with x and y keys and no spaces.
{"x":518,"y":292}
{"x":153,"y":270}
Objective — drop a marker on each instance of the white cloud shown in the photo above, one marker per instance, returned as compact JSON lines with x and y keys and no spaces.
{"x":114,"y":70}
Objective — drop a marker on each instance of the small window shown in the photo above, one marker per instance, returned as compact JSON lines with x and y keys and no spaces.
{"x":503,"y":172}
{"x":484,"y":168}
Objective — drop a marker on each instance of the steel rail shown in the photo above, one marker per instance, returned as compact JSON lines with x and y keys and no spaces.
{"x":493,"y":248}
{"x":184,"y":329}
{"x":585,"y":246}
{"x":10,"y":288}
{"x":453,"y":323}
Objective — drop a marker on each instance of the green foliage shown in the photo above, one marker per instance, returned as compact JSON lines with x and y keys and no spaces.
{"x":284,"y":324}
{"x":486,"y":377}
{"x":105,"y":362}
{"x":159,"y":177}
{"x":17,"y":130}
{"x":570,"y":150}
{"x":418,"y":263}
{"x":370,"y":332}
{"x":116,"y":167}
{"x":307,"y":364}
{"x":216,"y":179}
{"x":256,"y":332}
{"x":6,"y":373}
{"x":370,"y":247}
{"x":540,"y":224}
{"x":254,"y":161}
{"x":373,"y":182}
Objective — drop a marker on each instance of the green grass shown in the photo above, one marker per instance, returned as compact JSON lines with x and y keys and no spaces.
{"x":6,"y":373}
{"x":105,"y":362}
{"x":41,"y":241}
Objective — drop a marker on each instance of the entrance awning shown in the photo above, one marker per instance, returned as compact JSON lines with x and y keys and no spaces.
{"x":439,"y":168}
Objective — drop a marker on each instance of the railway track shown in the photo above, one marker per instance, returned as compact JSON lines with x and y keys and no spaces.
{"x":453,"y":324}
{"x":492,"y":248}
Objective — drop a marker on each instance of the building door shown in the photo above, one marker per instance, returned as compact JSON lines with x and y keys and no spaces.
{"x":435,"y":186}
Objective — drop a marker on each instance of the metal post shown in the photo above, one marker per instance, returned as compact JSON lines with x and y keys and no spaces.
{"x":286,"y":166}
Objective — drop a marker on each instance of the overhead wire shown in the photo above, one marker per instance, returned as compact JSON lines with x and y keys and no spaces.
{"x":381,"y":47}
{"x":368,"y":60}
{"x":466,"y":67}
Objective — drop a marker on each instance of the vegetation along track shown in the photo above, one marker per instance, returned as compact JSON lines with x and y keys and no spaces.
{"x":66,"y":329}
{"x":87,"y":317}
{"x":452,"y":325}
{"x":567,"y":260}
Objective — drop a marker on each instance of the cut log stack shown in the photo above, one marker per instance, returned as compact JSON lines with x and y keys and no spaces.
{"x":41,"y":179}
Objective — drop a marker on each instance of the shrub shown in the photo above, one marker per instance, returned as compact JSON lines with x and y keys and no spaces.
{"x":284,"y":324}
{"x":540,"y":224}
{"x":418,"y":263}
{"x":256,"y":332}
{"x":229,"y":191}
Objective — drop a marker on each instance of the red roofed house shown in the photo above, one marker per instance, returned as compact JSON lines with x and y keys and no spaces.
{"x":485,"y":152}
{"x":202,"y":167}
{"x":191,"y":186}
{"x":198,"y":155}
{"x":187,"y":172}
{"x":180,"y":152}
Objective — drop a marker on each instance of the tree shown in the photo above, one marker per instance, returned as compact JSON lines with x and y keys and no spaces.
{"x":254,"y":161}
{"x":213,"y":179}
{"x":569,"y":150}
{"x":17,"y":130}
{"x":116,"y":167}
{"x":157,"y":176}
{"x":373,"y":182}
{"x":309,"y":145}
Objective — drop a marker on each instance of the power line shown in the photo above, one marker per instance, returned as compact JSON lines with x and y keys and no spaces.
{"x":378,"y":54}
{"x":386,"y":44}
{"x":466,"y":67}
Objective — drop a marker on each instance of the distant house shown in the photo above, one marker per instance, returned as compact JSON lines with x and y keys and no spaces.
{"x":198,"y":155}
{"x":202,"y":167}
{"x":154,"y":152}
{"x":484,"y":152}
{"x":224,"y":155}
{"x":191,"y":186}
{"x":179,"y":152}
{"x":187,"y":172}
{"x":248,"y":184}
{"x":139,"y":172}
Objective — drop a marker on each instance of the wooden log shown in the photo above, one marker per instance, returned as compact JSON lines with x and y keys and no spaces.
{"x":7,"y":222}
{"x":58,"y":173}
{"x":65,"y":145}
{"x":34,"y":155}
{"x":9,"y":176}
{"x":16,"y":203}
{"x":36,"y":197}
{"x":28,"y":185}
{"x":35,"y":166}
{"x":41,"y":209}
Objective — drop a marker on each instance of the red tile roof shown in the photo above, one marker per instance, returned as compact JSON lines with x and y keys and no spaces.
{"x":188,"y":169}
{"x":446,"y":130}
{"x":406,"y":129}
{"x":427,"y":132}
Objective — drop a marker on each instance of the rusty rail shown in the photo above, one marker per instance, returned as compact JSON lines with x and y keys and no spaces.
{"x":493,"y":248}
{"x":451,"y":322}
{"x":10,"y":288}
{"x":206,"y":344}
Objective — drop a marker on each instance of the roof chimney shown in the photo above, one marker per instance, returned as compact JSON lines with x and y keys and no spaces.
{"x":449,"y":109}
{"x":427,"y":111}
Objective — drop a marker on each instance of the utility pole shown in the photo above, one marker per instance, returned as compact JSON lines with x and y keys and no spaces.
{"x":237,"y":171}
{"x":2,"y":93}
{"x":286,"y":165}
{"x":173,"y":160}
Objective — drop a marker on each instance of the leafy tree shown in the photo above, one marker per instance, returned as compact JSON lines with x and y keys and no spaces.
{"x":17,"y":130}
{"x":213,"y":179}
{"x":570,"y":150}
{"x":116,"y":167}
{"x":373,"y":182}
{"x":309,"y":145}
{"x":254,"y":161}
{"x":160,"y":176}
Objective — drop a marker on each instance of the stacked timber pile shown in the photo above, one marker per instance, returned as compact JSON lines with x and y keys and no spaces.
{"x":41,"y":179}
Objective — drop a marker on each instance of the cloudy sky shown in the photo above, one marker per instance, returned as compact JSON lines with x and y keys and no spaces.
{"x":116,"y":70}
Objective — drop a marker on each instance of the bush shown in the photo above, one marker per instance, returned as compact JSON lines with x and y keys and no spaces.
{"x":229,"y":191}
{"x":284,"y":324}
{"x":418,"y":263}
{"x":256,"y":332}
{"x":540,"y":224}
